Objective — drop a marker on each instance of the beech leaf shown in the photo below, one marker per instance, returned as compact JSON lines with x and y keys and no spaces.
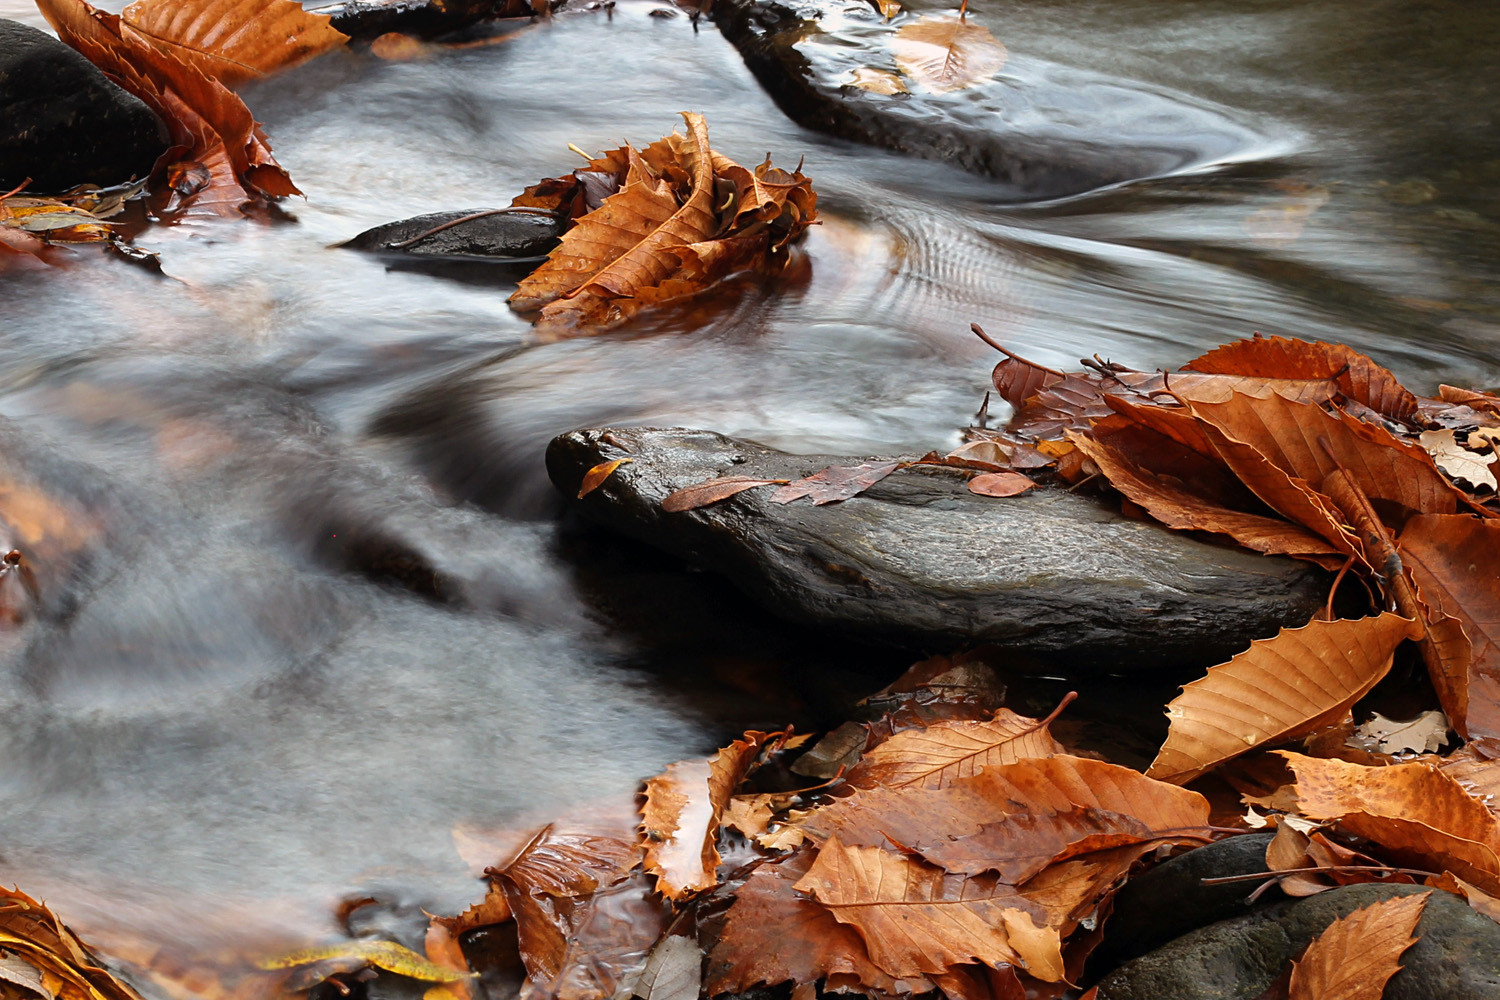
{"x":1276,"y":690}
{"x":938,"y":755}
{"x":947,"y":52}
{"x":232,"y":41}
{"x":1356,"y":955}
{"x":835,"y":483}
{"x":711,"y":491}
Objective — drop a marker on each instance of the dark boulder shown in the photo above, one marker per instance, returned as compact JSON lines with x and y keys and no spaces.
{"x":919,"y":559}
{"x":474,"y":234}
{"x":1045,"y":130}
{"x":65,"y":123}
{"x":1456,"y":957}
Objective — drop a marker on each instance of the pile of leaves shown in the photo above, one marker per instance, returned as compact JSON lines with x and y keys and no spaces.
{"x":655,"y":225}
{"x":32,"y":228}
{"x":183,"y":58}
{"x":41,"y":959}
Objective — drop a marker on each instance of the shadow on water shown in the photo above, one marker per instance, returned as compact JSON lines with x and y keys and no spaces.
{"x":306,"y":604}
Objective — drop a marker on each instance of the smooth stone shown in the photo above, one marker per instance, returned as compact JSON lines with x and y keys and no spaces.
{"x":1044,"y":129}
{"x":65,"y":123}
{"x":920,"y":560}
{"x":1456,"y":957}
{"x":468,"y":235}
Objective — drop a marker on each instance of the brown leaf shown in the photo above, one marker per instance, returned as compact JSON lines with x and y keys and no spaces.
{"x":681,"y":813}
{"x":1000,"y":484}
{"x":1356,"y":375}
{"x":1017,"y":818}
{"x":34,"y":934}
{"x":232,"y":41}
{"x":773,"y":935}
{"x":917,"y":920}
{"x":712,"y":491}
{"x":595,"y":477}
{"x":1455,"y":563}
{"x":1412,"y":811}
{"x":1276,"y":690}
{"x":835,"y":483}
{"x":1356,"y":955}
{"x":1175,"y":507}
{"x":1017,"y":379}
{"x":1479,"y":900}
{"x":938,"y":755}
{"x":946,"y":52}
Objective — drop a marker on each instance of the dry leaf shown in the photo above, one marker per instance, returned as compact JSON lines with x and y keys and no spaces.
{"x":232,"y":41}
{"x":917,"y":920}
{"x":938,"y":755}
{"x":32,"y":933}
{"x":1276,"y":690}
{"x":712,"y":491}
{"x":1424,"y":734}
{"x":1000,"y":484}
{"x":1356,"y":956}
{"x":1458,"y":461}
{"x":947,"y":52}
{"x":835,"y":483}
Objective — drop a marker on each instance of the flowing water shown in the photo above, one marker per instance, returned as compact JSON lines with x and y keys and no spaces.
{"x":308,"y":604}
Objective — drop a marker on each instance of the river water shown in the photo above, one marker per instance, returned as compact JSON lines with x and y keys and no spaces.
{"x":246,"y":698}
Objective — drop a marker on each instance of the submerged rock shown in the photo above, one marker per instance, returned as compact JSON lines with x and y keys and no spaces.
{"x":474,"y":234}
{"x":64,"y":123}
{"x":1045,"y":129}
{"x":1456,"y":957}
{"x":921,"y":560}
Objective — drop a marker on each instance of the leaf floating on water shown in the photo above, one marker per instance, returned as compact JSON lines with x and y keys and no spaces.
{"x":835,"y":483}
{"x":387,"y":955}
{"x":877,"y":81}
{"x":947,"y":52}
{"x":1356,"y":956}
{"x":1000,"y":484}
{"x":595,"y":477}
{"x":1277,"y":689}
{"x":712,"y":491}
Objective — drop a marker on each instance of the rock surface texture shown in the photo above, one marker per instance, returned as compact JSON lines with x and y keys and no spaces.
{"x":1044,"y":129}
{"x":919,"y":559}
{"x":64,"y":123}
{"x":1456,"y":957}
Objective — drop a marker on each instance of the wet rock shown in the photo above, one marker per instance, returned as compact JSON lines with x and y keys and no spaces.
{"x":474,"y":234}
{"x":1044,"y":129}
{"x":1171,"y":899}
{"x":1456,"y":957}
{"x":920,"y":560}
{"x":65,"y":123}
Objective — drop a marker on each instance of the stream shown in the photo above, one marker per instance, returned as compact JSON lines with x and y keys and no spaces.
{"x":314,"y":615}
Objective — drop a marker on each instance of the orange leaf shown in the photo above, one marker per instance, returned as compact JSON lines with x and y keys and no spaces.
{"x":712,"y":491}
{"x":1276,"y":690}
{"x":1000,"y":484}
{"x":916,"y":919}
{"x":595,"y":477}
{"x":1356,"y":956}
{"x":232,"y":41}
{"x":681,"y":813}
{"x":938,"y":755}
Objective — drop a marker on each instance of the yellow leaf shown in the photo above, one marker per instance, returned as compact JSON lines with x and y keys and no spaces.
{"x":385,"y":955}
{"x":595,"y":477}
{"x":878,"y":81}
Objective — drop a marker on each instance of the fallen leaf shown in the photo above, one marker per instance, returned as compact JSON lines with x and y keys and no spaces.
{"x":916,"y":919}
{"x":1356,"y":955}
{"x":1276,"y":690}
{"x":938,"y":755}
{"x":712,"y":491}
{"x":672,"y":972}
{"x":835,"y":483}
{"x":1000,"y":484}
{"x":877,"y":81}
{"x":1458,"y":461}
{"x":351,"y":955}
{"x":65,"y":967}
{"x":595,"y":477}
{"x":947,"y":52}
{"x":888,"y":8}
{"x":232,"y":41}
{"x":1411,"y":811}
{"x":1479,"y":900}
{"x":1424,"y":734}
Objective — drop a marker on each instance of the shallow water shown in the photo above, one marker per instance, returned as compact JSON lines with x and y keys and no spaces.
{"x":245,"y":703}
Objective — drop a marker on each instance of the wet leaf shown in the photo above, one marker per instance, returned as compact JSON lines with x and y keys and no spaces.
{"x":1458,"y":461}
{"x":1000,"y":484}
{"x":386,"y":955}
{"x":1276,"y":690}
{"x":232,"y":41}
{"x":681,"y":814}
{"x":947,"y":52}
{"x":1356,"y":955}
{"x":673,"y":972}
{"x":917,"y":920}
{"x":938,"y":755}
{"x":712,"y":491}
{"x":835,"y":483}
{"x":877,"y":81}
{"x":32,"y":933}
{"x":595,"y":477}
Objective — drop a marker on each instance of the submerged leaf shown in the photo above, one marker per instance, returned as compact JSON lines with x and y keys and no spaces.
{"x":947,"y":52}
